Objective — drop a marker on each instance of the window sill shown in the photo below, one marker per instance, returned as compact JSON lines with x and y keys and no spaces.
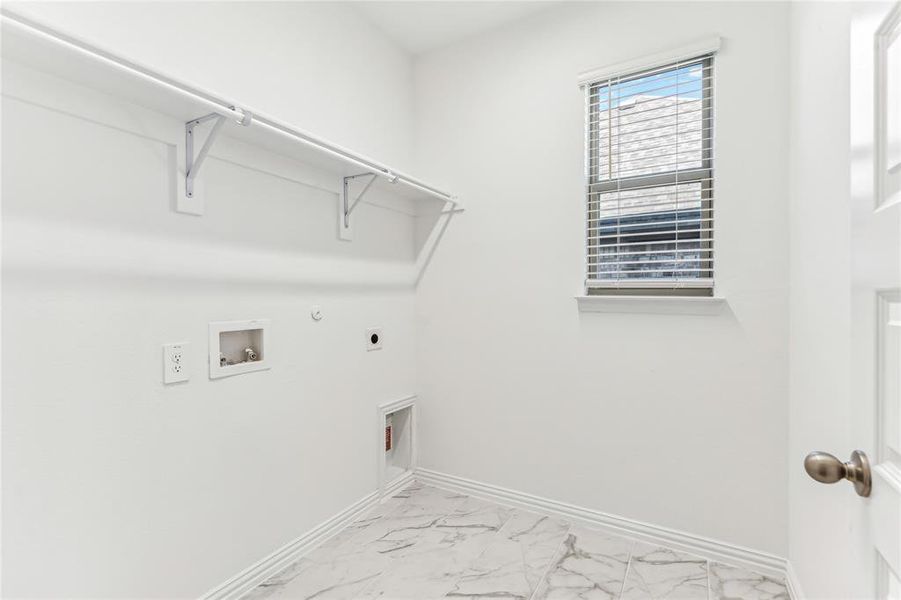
{"x":660,"y":305}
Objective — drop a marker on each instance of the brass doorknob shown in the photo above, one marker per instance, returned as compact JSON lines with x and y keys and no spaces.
{"x":826,"y":468}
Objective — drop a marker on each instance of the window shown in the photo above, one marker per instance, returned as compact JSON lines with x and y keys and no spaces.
{"x":650,"y":181}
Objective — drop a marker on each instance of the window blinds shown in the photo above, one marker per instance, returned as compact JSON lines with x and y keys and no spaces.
{"x":650,"y":179}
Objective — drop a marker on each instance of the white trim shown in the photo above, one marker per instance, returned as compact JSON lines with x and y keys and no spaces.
{"x":882,"y":578}
{"x":891,"y":474}
{"x":792,"y":582}
{"x":398,"y":484}
{"x":663,"y":305}
{"x":884,"y":300}
{"x":887,"y":34}
{"x":248,"y":579}
{"x":761,"y":562}
{"x":386,"y":488}
{"x":693,"y":50}
{"x":885,"y":510}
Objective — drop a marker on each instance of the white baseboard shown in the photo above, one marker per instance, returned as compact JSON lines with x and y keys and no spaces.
{"x":792,"y":583}
{"x":398,"y":484}
{"x":761,"y":562}
{"x":245,"y":581}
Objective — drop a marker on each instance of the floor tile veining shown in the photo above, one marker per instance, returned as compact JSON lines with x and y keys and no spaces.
{"x":427,"y":543}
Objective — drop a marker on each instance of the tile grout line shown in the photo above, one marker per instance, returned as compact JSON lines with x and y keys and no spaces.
{"x":482,"y":553}
{"x":391,"y":564}
{"x":387,"y":514}
{"x":553,"y":562}
{"x":622,"y":589}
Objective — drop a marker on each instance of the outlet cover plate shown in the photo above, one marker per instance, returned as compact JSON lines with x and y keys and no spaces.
{"x":175,"y":362}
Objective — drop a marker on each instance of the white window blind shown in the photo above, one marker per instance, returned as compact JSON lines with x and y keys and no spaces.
{"x":650,"y":180}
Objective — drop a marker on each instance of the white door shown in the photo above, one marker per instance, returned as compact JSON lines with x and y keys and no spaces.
{"x":875,"y":127}
{"x":869,"y":524}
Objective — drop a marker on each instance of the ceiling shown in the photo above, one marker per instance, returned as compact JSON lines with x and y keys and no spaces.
{"x":421,"y":26}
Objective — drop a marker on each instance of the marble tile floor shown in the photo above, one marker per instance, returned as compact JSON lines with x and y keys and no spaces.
{"x":427,"y":543}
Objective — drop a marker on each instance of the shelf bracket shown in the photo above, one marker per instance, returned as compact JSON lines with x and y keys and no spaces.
{"x":193,"y":163}
{"x":345,"y":194}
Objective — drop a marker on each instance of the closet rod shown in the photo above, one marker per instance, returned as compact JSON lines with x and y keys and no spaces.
{"x":212,"y":102}
{"x":346,"y":155}
{"x":37,"y":30}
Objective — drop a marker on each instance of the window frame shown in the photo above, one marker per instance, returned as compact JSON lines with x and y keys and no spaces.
{"x":705,"y":55}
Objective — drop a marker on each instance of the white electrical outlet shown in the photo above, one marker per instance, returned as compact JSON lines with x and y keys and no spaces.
{"x":175,"y":363}
{"x":374,"y":338}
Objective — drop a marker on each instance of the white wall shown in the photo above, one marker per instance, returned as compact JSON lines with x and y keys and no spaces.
{"x":113,"y":484}
{"x":820,"y":294}
{"x":670,"y":419}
